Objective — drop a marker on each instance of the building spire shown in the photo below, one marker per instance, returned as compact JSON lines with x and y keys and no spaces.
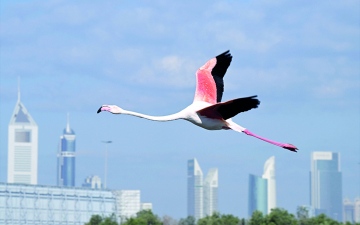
{"x":19,"y":89}
{"x":68,"y":130}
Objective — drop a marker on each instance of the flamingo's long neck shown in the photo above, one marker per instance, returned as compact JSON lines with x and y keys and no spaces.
{"x":154,"y":118}
{"x":246,"y":131}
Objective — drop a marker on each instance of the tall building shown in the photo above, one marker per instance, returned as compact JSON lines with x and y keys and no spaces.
{"x":262,"y":190}
{"x":269,"y":175}
{"x":66,"y":157}
{"x":326,"y":184}
{"x":211,"y":184}
{"x":22,"y":146}
{"x":357,"y":210}
{"x":258,"y":195}
{"x":195,"y":189}
{"x":348,"y":212}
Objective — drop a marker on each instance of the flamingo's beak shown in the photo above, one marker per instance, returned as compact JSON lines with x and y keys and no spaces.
{"x":103,"y":108}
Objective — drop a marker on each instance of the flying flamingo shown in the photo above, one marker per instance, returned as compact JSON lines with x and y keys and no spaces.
{"x":207,"y":110}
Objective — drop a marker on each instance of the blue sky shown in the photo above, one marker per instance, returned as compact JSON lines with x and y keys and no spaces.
{"x":301,"y":59}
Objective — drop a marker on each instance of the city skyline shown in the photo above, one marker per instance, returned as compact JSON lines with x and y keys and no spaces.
{"x":74,"y":56}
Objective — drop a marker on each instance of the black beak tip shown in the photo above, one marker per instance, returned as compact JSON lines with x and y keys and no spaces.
{"x":99,"y":110}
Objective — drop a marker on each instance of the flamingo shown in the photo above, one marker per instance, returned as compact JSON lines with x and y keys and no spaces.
{"x":207,"y":110}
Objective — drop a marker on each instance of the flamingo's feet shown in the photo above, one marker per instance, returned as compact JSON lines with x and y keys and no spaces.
{"x":290,"y":147}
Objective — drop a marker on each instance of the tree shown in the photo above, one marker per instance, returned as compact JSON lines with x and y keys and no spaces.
{"x":279,"y":216}
{"x":322,"y":219}
{"x":95,"y":220}
{"x":144,"y":217}
{"x":257,"y":218}
{"x":219,"y":219}
{"x":99,"y":220}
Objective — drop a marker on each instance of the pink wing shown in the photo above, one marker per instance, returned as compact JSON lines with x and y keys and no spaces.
{"x":205,"y":84}
{"x":209,"y":79}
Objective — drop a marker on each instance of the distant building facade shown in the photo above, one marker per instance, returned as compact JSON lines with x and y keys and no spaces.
{"x":202,"y":194}
{"x":195,"y":190}
{"x":146,"y":206}
{"x":128,"y":203}
{"x":262,"y":190}
{"x":66,"y":157}
{"x":326,"y":184}
{"x":211,"y":184}
{"x":269,"y":175}
{"x":351,"y":210}
{"x":258,"y":195}
{"x":50,"y":205}
{"x":357,"y":210}
{"x":22,"y":146}
{"x":348,"y":211}
{"x":93,"y":182}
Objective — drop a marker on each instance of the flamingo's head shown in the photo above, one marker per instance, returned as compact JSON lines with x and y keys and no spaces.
{"x":110,"y":108}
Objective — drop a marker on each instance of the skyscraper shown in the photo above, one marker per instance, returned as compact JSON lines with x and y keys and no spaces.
{"x":326,"y":184}
{"x":22,"y":146}
{"x":348,"y":211}
{"x":195,"y":189}
{"x":262,"y":190}
{"x":269,"y":175}
{"x":66,"y":157}
{"x":258,"y":195}
{"x":211,"y":184}
{"x":357,"y":210}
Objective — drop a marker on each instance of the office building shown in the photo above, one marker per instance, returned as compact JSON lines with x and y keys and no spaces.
{"x":66,"y":157}
{"x":202,"y":194}
{"x":195,"y":189}
{"x":357,"y":210}
{"x":211,"y":192}
{"x":258,"y":195}
{"x":128,"y":203}
{"x":262,"y":190}
{"x":93,"y":182}
{"x":348,"y":211}
{"x":146,"y":206}
{"x":326,"y":184}
{"x":22,"y":146}
{"x":50,"y":205}
{"x":269,"y":175}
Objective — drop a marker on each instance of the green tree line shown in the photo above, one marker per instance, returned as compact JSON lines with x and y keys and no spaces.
{"x":276,"y":217}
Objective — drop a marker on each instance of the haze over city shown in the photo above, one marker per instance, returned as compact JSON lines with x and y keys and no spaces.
{"x":302,"y":60}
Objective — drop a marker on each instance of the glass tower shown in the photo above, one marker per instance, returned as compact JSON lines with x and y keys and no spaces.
{"x":326,"y":184}
{"x":66,"y":158}
{"x":195,"y":189}
{"x":211,"y":184}
{"x":22,"y":146}
{"x":262,"y":190}
{"x":258,"y":194}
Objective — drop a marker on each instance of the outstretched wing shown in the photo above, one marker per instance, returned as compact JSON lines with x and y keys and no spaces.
{"x":209,"y":79}
{"x":229,"y":109}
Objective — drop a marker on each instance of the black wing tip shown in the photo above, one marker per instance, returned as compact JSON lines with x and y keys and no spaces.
{"x":99,"y":110}
{"x":225,"y":54}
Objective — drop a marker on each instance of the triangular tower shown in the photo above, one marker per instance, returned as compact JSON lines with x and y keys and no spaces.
{"x":22,"y":146}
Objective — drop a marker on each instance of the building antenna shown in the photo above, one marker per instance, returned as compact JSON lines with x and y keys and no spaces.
{"x":19,"y":89}
{"x":68,"y":123}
